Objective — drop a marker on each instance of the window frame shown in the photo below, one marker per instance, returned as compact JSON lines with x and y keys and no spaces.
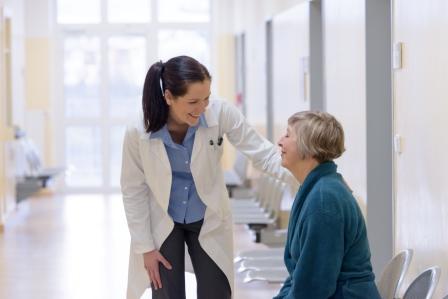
{"x":104,"y":31}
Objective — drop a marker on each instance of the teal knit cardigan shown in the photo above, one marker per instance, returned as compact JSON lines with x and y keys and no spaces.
{"x":327,"y":252}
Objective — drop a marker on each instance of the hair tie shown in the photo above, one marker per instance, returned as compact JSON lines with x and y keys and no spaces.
{"x":161,"y":86}
{"x":160,"y":79}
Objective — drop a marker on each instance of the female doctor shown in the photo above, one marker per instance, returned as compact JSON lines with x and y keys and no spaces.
{"x":173,"y":185}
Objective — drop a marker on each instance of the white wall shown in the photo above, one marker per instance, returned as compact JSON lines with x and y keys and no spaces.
{"x":250,"y":17}
{"x":15,"y":9}
{"x":229,"y":18}
{"x":291,"y":51}
{"x":344,"y":67}
{"x":421,"y":106}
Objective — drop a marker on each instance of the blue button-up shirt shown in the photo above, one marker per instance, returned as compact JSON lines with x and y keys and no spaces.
{"x":185,"y":206}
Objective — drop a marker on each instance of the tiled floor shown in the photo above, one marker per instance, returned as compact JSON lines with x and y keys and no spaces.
{"x":76,"y":247}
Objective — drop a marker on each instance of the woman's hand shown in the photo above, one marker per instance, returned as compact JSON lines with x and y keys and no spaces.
{"x":151,"y":260}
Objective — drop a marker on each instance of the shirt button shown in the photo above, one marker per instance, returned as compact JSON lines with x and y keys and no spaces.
{"x":184,"y":202}
{"x":186,"y":188}
{"x":186,"y":162}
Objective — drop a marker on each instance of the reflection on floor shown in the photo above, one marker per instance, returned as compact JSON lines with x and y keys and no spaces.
{"x":76,"y":247}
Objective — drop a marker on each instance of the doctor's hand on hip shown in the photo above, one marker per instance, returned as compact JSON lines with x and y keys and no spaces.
{"x":151,"y":260}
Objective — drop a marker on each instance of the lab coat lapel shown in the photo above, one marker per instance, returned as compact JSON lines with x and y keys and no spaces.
{"x":157,"y":169}
{"x":204,"y":168}
{"x":198,"y":143}
{"x":202,"y":133}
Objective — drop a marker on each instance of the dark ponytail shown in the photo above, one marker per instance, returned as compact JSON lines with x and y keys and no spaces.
{"x":155,"y":109}
{"x":173,"y":75}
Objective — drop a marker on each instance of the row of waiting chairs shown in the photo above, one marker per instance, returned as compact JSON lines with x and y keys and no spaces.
{"x":422,"y":287}
{"x":31,"y":176}
{"x":237,"y":176}
{"x":264,"y":265}
{"x":259,"y":210}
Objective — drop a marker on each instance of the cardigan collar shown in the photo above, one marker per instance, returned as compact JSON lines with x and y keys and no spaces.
{"x":319,"y":171}
{"x":311,"y":179}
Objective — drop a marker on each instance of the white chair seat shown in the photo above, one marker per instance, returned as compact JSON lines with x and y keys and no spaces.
{"x":273,"y":276}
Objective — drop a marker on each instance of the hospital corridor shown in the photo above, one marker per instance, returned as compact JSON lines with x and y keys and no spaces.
{"x":243,"y":149}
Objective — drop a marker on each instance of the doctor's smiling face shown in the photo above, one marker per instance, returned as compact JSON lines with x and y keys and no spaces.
{"x":186,"y":109}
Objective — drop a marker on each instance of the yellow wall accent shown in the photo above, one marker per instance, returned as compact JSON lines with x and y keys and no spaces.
{"x":2,"y":124}
{"x":225,"y":66}
{"x":226,"y":84}
{"x":7,"y":183}
{"x":37,"y":73}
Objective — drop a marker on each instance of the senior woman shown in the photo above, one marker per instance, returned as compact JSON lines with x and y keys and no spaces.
{"x":327,"y":252}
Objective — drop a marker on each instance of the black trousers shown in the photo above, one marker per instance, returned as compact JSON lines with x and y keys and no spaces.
{"x":211,"y":281}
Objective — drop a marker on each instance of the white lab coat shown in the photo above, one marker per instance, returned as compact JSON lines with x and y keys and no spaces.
{"x":146,"y":184}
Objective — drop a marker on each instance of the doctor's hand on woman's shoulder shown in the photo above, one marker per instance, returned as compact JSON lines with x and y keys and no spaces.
{"x":151,"y":260}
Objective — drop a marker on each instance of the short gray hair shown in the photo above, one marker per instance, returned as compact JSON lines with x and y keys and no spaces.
{"x":319,"y":135}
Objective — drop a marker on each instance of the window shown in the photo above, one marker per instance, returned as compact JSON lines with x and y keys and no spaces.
{"x":172,"y":43}
{"x":83,"y":155}
{"x":78,"y":11}
{"x":107,"y":47}
{"x":82,"y":76}
{"x":184,"y":11}
{"x":127,"y":69}
{"x":128,"y":11}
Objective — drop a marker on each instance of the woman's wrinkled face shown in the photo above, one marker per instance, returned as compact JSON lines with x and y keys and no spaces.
{"x":188,"y":108}
{"x":288,"y":148}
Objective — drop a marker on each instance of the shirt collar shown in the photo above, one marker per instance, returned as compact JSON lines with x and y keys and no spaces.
{"x":163,"y":133}
{"x":202,"y":121}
